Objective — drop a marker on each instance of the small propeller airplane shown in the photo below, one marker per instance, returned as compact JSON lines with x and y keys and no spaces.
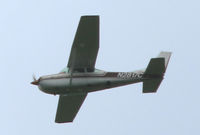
{"x":80,"y":76}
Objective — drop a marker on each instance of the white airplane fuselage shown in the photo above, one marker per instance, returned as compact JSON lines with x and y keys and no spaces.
{"x":65,"y":83}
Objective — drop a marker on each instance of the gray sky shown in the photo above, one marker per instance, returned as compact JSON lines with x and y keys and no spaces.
{"x":36,"y":37}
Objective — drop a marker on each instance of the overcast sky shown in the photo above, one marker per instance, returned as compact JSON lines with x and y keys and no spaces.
{"x":36,"y":37}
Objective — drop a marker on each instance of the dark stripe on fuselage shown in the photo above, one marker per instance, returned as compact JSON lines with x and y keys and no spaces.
{"x":108,"y":74}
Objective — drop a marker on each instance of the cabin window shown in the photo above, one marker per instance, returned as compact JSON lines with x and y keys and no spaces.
{"x":79,"y":70}
{"x":90,"y":70}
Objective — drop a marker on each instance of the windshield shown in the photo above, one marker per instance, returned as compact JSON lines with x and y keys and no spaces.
{"x":65,"y":70}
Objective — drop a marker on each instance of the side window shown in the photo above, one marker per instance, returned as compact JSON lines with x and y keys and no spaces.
{"x":90,"y":70}
{"x":79,"y":70}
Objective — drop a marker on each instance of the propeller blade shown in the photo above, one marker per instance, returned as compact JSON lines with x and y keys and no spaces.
{"x":35,"y":81}
{"x":34,"y":78}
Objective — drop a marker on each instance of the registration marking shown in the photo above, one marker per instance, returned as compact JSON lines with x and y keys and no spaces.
{"x":129,"y":75}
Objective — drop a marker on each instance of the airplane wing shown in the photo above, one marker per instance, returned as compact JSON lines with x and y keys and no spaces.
{"x":86,"y":44}
{"x":68,"y":107}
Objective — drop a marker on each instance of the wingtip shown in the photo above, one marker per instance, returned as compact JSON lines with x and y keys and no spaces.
{"x":90,"y":16}
{"x":61,"y":122}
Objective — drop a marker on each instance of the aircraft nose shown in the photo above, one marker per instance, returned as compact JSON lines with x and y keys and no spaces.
{"x":35,"y":82}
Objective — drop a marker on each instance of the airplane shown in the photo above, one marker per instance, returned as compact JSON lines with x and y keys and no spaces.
{"x":80,"y":76}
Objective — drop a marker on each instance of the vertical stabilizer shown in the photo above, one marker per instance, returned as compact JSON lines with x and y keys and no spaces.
{"x":166,"y":56}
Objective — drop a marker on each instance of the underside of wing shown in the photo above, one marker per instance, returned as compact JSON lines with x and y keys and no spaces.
{"x":68,"y":107}
{"x":86,"y":44}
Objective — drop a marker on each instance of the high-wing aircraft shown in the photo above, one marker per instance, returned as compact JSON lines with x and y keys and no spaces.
{"x":80,"y":76}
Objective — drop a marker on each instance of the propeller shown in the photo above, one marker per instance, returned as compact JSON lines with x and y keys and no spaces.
{"x":34,"y":78}
{"x":35,"y":81}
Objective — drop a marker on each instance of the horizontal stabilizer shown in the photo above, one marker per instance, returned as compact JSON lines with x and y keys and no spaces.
{"x":151,"y":86}
{"x":156,"y":67}
{"x":155,"y":71}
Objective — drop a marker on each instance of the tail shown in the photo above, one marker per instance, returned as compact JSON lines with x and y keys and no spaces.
{"x":155,"y":72}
